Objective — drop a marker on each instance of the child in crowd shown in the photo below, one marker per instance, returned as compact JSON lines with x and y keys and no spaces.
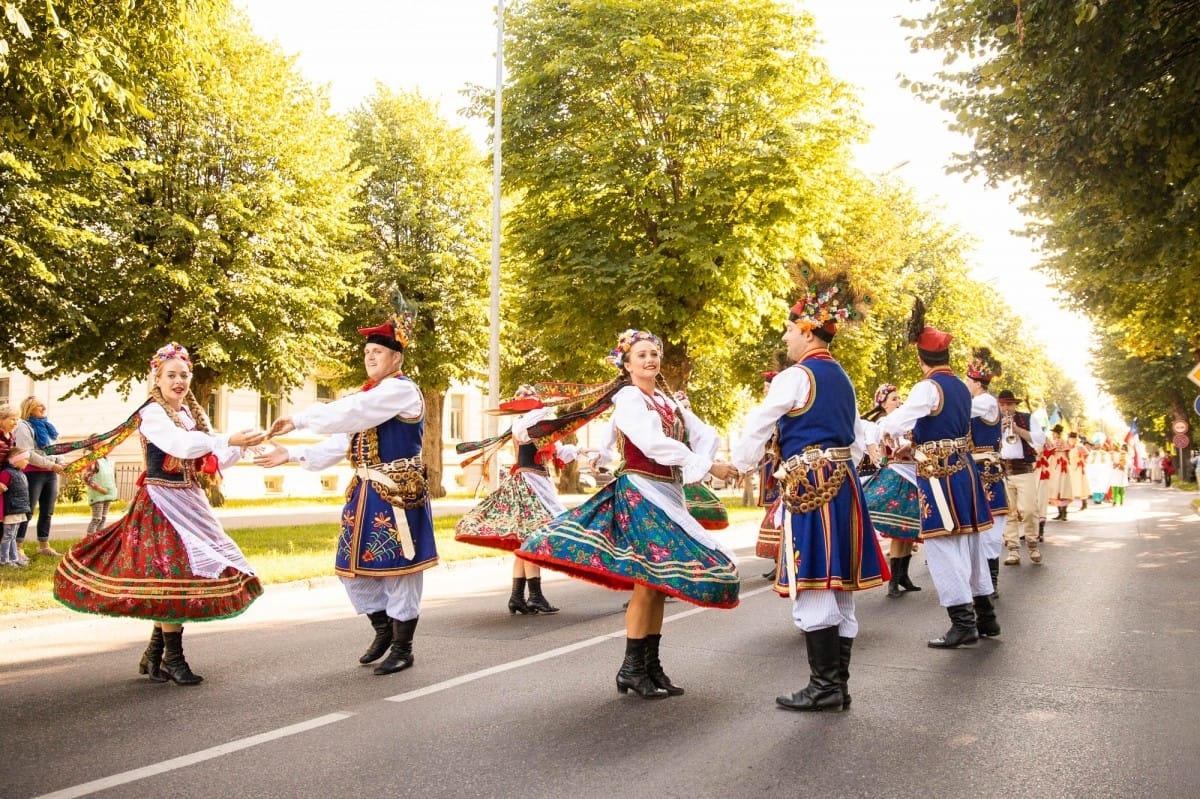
{"x":102,"y":490}
{"x":14,"y":504}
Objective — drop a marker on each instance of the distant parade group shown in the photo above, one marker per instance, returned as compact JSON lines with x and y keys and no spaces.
{"x":944,"y":467}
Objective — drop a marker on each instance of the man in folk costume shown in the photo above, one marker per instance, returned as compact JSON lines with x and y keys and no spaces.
{"x":829,"y":548}
{"x":386,"y":540}
{"x":986,"y":435}
{"x":954,"y":509}
{"x":1020,"y":445}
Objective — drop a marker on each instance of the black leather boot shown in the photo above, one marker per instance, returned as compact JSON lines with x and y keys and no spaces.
{"x":824,"y":689}
{"x":537,"y":602}
{"x":845,"y":645}
{"x":894,"y":583}
{"x":174,"y":666}
{"x":994,"y":568}
{"x":1041,"y":530}
{"x":985,"y":617}
{"x":633,"y":676}
{"x":654,"y":667}
{"x":962,"y":630}
{"x":151,"y":661}
{"x":516,"y":600}
{"x":383,"y":637}
{"x":400,"y":655}
{"x":906,"y":583}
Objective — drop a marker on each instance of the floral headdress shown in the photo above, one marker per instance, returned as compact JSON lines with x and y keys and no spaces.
{"x":625,"y":342}
{"x":824,"y":307}
{"x":167,"y":353}
{"x":881,"y":393}
{"x":983,"y":366}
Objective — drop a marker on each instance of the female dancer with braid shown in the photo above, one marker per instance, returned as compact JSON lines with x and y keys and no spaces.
{"x":167,"y":559}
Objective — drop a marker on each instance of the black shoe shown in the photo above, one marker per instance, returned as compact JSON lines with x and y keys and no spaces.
{"x":400,"y":655}
{"x":516,"y":600}
{"x":654,"y":668}
{"x":536,"y":602}
{"x":894,"y":583}
{"x":174,"y":666}
{"x":383,"y":637}
{"x":151,"y":662}
{"x":985,"y":618}
{"x":632,"y":675}
{"x":962,"y":630}
{"x":824,"y":689}
{"x":903,"y":581}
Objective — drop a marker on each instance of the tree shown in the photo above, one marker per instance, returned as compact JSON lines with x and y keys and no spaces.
{"x":225,"y":226}
{"x":664,"y":159}
{"x":1090,"y":107}
{"x":424,"y":211}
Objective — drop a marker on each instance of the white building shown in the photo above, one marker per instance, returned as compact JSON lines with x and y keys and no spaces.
{"x":238,"y":409}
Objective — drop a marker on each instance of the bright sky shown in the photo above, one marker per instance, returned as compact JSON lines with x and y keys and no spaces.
{"x":440,"y":46}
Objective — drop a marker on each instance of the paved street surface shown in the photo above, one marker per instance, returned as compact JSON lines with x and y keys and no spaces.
{"x":1090,"y":691}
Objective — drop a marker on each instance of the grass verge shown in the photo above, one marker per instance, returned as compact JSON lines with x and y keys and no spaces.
{"x":278,"y":554}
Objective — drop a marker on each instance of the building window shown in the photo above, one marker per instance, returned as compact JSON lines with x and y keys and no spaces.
{"x":3,"y":390}
{"x":325,"y":392}
{"x":269,"y":401}
{"x":456,"y":417}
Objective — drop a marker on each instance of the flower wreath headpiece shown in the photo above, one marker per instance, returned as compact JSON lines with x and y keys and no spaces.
{"x":625,"y":342}
{"x":881,"y":393}
{"x":168,"y":352}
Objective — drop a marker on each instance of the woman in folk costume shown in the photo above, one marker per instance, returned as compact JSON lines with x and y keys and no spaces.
{"x":829,"y":546}
{"x":525,"y":500}
{"x":167,"y":559}
{"x":891,"y":493}
{"x":636,"y":532}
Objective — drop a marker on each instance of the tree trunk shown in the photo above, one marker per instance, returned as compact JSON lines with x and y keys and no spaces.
{"x":568,"y":476}
{"x":431,"y":443}
{"x":676,"y":366}
{"x":749,"y":498}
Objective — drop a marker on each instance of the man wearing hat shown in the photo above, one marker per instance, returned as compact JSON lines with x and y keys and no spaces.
{"x":1020,"y":444}
{"x":954,"y":508}
{"x":986,"y":434}
{"x":829,"y":549}
{"x":386,"y":540}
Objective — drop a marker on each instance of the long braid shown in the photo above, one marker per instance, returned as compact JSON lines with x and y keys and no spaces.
{"x":207,"y":481}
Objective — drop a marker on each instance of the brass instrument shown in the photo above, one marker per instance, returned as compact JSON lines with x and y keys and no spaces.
{"x":1008,"y":429}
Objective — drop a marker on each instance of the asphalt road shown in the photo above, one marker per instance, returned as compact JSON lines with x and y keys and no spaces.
{"x":1090,"y":691}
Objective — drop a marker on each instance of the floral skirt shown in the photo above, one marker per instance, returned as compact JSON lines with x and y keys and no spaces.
{"x":894,"y":505}
{"x":504,"y":518}
{"x":705,"y":507}
{"x":138,"y":567}
{"x":619,"y":539}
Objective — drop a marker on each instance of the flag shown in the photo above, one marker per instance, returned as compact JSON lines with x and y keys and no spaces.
{"x":1055,"y":417}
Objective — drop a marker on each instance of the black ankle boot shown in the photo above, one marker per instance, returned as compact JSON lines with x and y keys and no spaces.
{"x":994,"y":568}
{"x":537,"y":602}
{"x":174,"y":666}
{"x":845,"y":645}
{"x":632,"y":674}
{"x":151,"y":661}
{"x":894,"y":583}
{"x":824,"y":689}
{"x":985,"y":617}
{"x":1041,"y":530}
{"x":516,"y":600}
{"x":654,"y":669}
{"x":906,"y":583}
{"x":962,"y":630}
{"x":400,"y":655}
{"x":383,"y":637}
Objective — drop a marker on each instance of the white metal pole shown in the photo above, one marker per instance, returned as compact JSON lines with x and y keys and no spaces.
{"x":494,"y":338}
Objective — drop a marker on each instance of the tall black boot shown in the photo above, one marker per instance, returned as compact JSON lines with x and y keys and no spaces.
{"x":151,"y":661}
{"x":824,"y":689}
{"x":516,"y":600}
{"x":383,"y":637}
{"x":906,"y":583}
{"x":174,"y":667}
{"x":994,"y":568}
{"x":654,"y":667}
{"x":894,"y":583}
{"x":1041,"y":530}
{"x":632,"y":674}
{"x":537,"y":602}
{"x":962,"y":630}
{"x":845,"y":645}
{"x":985,"y":617}
{"x":400,"y":656}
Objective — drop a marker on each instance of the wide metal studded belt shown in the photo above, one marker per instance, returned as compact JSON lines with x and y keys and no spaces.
{"x":799,"y":494}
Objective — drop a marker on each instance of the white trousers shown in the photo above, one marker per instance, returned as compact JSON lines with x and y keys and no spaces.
{"x":958,"y":568}
{"x":816,"y":610}
{"x":1023,"y":493}
{"x":992,"y":540}
{"x":399,"y":596}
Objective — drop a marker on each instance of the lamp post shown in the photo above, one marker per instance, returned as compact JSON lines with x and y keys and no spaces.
{"x":494,"y":337}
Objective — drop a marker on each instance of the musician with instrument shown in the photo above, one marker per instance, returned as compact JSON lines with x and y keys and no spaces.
{"x":1021,"y":441}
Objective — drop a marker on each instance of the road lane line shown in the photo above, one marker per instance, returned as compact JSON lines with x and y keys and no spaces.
{"x":454,"y":682}
{"x":196,"y":757}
